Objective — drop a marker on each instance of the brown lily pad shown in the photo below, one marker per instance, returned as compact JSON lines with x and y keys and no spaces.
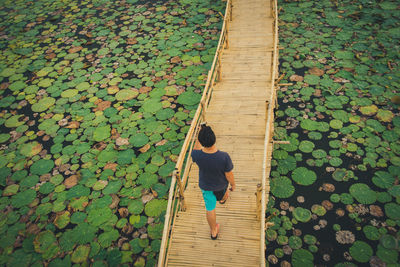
{"x":316,"y":71}
{"x":71,"y":181}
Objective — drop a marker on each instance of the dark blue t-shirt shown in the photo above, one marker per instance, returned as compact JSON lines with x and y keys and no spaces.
{"x":212,"y":168}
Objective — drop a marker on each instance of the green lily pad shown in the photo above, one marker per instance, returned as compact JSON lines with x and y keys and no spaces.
{"x":302,"y":258}
{"x":23,"y":198}
{"x":383,"y":179}
{"x":4,"y":137}
{"x":311,"y":79}
{"x":14,"y":121}
{"x":42,"y":166}
{"x":361,"y":251}
{"x":286,"y":165}
{"x":106,"y":238}
{"x":304,"y":176}
{"x":80,"y":254}
{"x":369,"y":110}
{"x":339,"y":174}
{"x":69,"y":93}
{"x":155,"y":230}
{"x":392,"y":210}
{"x":189,"y":98}
{"x":295,"y":242}
{"x":11,"y":190}
{"x":45,"y":243}
{"x":139,"y":140}
{"x":147,"y":180}
{"x":126,"y":94}
{"x":155,"y":207}
{"x":62,"y":220}
{"x":30,"y":149}
{"x":43,"y":104}
{"x":306,"y":146}
{"x":318,"y":209}
{"x":385,"y":115}
{"x":371,"y":232}
{"x":135,"y":207}
{"x":388,"y":241}
{"x":301,"y":214}
{"x":389,"y":256}
{"x":336,"y":124}
{"x":282,"y":187}
{"x":362,"y":193}
{"x":152,"y":105}
{"x":101,"y":133}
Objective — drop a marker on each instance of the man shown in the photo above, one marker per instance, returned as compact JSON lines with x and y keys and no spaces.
{"x":215,"y":174}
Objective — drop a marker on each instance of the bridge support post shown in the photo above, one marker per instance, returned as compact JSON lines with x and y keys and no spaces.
{"x":181,"y":194}
{"x":258,"y":199}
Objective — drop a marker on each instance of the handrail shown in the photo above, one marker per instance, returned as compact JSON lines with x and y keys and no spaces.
{"x":269,"y":133}
{"x":175,"y":202}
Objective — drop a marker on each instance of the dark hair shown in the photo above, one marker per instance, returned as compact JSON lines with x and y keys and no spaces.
{"x":206,"y":136}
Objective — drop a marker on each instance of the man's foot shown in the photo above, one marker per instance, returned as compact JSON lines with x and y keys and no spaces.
{"x":215,"y":236}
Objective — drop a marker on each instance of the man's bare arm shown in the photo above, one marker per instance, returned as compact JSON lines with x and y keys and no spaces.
{"x":229,"y":176}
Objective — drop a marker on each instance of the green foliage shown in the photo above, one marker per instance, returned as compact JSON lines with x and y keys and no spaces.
{"x":361,"y":251}
{"x":155,"y":207}
{"x":362,"y":193}
{"x":301,"y":214}
{"x":304,"y":176}
{"x":282,"y":187}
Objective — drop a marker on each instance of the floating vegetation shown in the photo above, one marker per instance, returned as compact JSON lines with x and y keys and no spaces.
{"x":335,"y":187}
{"x":96,"y":98}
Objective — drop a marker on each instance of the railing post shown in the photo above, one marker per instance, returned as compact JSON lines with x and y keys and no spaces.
{"x":230,"y":12}
{"x":219,"y":68}
{"x":258,"y":199}
{"x":181,"y":190}
{"x":203,"y":113}
{"x":226,"y":37}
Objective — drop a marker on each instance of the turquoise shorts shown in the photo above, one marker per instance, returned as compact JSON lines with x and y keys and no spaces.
{"x":211,"y":197}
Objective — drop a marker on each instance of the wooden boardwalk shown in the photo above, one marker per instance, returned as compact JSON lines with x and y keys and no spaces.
{"x":237,"y":113}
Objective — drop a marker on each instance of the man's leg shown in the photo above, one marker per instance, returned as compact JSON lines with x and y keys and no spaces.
{"x":212,"y":221}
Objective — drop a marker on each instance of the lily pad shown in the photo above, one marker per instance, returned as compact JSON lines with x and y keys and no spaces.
{"x":302,"y":258}
{"x":392,"y":210}
{"x":306,"y":146}
{"x":62,"y":220}
{"x":43,"y":104}
{"x":362,"y":193}
{"x":155,"y":207}
{"x":126,"y":94}
{"x":282,"y":187}
{"x":304,"y":176}
{"x":139,"y":140}
{"x":189,"y":98}
{"x":30,"y":149}
{"x":361,"y":251}
{"x":46,"y":244}
{"x":369,"y":110}
{"x":385,"y":115}
{"x":42,"y":166}
{"x":383,"y":179}
{"x":301,"y":214}
{"x":101,"y":133}
{"x":80,"y":254}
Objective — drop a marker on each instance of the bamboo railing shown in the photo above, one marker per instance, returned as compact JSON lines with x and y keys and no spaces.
{"x":176,"y":197}
{"x":269,"y":131}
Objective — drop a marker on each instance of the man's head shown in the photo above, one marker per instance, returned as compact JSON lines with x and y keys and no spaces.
{"x":206,"y":136}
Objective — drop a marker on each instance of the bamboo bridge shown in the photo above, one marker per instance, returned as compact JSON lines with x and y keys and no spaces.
{"x":238,"y":103}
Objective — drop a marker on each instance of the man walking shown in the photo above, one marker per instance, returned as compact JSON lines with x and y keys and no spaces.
{"x":215,"y":174}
